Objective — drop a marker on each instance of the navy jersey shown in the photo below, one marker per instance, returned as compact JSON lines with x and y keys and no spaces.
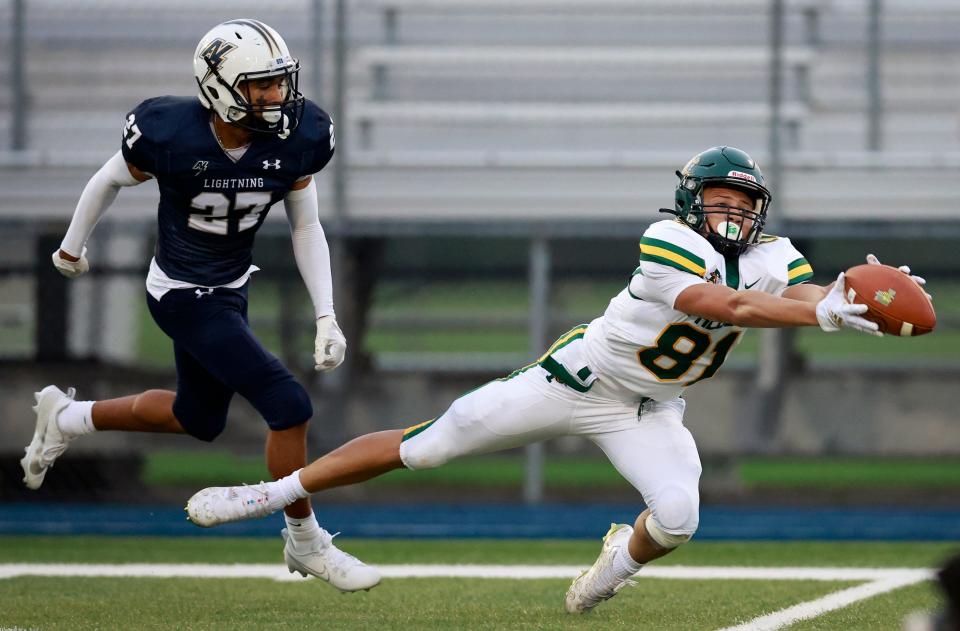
{"x":210,"y":206}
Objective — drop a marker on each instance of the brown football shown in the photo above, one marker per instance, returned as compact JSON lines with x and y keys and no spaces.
{"x":895,"y":301}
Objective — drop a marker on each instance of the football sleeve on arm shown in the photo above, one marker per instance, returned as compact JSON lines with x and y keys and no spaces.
{"x":310,"y":248}
{"x":670,"y":261}
{"x":97,"y":196}
{"x":793,"y":268}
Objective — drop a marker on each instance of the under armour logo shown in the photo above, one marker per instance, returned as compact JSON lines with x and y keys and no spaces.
{"x":200,"y":166}
{"x":201,"y":293}
{"x":274,"y":165}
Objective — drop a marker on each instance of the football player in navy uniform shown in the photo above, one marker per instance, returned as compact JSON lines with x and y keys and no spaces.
{"x":221,"y":163}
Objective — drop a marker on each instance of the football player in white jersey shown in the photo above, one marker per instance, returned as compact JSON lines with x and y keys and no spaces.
{"x":703,"y":277}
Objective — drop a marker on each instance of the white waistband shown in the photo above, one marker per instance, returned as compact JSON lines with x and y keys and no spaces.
{"x":158,"y":283}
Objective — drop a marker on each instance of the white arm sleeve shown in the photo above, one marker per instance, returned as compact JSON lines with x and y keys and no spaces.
{"x":97,"y":196}
{"x":310,"y":247}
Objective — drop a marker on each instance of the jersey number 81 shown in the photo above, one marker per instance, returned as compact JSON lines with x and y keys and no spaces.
{"x":678,"y":347}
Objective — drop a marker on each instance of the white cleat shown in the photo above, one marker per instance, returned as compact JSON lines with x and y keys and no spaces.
{"x":599,"y":583}
{"x":48,"y":441}
{"x":329,"y":563}
{"x":225,"y":504}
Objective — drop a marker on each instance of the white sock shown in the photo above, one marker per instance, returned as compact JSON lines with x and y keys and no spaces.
{"x":624,"y":565}
{"x":76,"y":419}
{"x":285,"y":491}
{"x":303,"y":531}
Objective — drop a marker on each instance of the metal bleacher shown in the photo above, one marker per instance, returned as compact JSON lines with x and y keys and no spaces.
{"x":573,"y":111}
{"x":489,"y":110}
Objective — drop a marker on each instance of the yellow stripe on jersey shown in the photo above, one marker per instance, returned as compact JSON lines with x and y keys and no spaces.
{"x":800,"y":271}
{"x":657,"y":254}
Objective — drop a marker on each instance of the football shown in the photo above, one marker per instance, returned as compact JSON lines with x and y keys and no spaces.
{"x":897,"y":303}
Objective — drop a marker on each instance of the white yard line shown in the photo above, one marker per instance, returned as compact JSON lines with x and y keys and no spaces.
{"x":830,"y":602}
{"x":270,"y":570}
{"x":879,"y":580}
{"x":275,"y":571}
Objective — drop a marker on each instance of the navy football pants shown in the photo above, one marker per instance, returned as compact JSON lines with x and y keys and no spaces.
{"x":217,"y":355}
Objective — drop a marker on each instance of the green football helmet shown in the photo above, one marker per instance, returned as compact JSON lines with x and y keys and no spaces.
{"x":728,"y":167}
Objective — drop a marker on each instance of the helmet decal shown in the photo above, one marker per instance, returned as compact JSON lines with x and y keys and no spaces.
{"x":741,"y":175}
{"x":215,"y":53}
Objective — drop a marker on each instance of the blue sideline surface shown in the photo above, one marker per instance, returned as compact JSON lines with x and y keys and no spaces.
{"x":498,"y":521}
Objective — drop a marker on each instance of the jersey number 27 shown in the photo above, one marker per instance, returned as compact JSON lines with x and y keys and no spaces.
{"x":227,"y":213}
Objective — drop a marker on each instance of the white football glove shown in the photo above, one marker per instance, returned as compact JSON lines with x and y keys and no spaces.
{"x":331,"y":346}
{"x":71,"y":269}
{"x":835,"y":313}
{"x":873,"y":260}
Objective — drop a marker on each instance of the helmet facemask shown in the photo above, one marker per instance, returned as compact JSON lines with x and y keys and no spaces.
{"x":243,"y":51}
{"x":264,"y":118}
{"x":729,"y":237}
{"x":726,"y":167}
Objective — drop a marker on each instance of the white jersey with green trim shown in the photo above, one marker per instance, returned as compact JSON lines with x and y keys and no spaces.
{"x":644,"y":348}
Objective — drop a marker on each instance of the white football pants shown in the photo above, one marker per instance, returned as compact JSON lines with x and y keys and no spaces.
{"x":649,"y":446}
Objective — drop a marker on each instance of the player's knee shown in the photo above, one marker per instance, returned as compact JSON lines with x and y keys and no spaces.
{"x":284,"y":405}
{"x":203,"y":425}
{"x":673,"y":518}
{"x":207,"y":433}
{"x":419,"y":458}
{"x":205,"y":429}
{"x":297,"y":405}
{"x":427,"y":450}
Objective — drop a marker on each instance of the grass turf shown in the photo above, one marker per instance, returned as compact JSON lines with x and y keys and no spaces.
{"x":105,"y":549}
{"x":111,"y":603}
{"x":197,"y":604}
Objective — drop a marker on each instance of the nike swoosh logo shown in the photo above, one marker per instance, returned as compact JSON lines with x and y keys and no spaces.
{"x":751,"y":284}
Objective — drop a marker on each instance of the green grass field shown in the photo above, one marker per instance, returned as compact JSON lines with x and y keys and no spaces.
{"x":876,"y":473}
{"x":440,"y":603}
{"x":492,"y":316}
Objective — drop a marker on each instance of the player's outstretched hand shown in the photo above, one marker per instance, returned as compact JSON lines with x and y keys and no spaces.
{"x":873,"y":260}
{"x":331,"y":346}
{"x":70,"y":269}
{"x":835,"y":313}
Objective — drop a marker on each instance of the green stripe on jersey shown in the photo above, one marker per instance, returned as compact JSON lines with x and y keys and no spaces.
{"x":666,"y":245}
{"x":800,"y":261}
{"x":800,"y":279}
{"x":733,"y":270}
{"x":799,"y":271}
{"x":666,"y":253}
